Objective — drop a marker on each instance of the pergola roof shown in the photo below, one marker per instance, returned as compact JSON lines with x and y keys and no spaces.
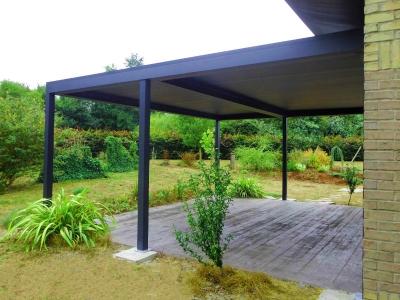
{"x":321,"y":75}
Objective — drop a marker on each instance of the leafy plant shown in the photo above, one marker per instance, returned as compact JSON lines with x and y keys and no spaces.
{"x":119,"y":159}
{"x":189,"y":158}
{"x":76,"y":162}
{"x":74,"y":220}
{"x":207,"y":143}
{"x":246,"y":187}
{"x":206,"y":215}
{"x":21,"y":131}
{"x":258,"y":160}
{"x":295,"y":166}
{"x":351,"y":176}
{"x":337,"y":154}
{"x":323,"y":169}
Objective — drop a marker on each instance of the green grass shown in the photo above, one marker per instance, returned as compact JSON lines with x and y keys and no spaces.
{"x":118,"y":185}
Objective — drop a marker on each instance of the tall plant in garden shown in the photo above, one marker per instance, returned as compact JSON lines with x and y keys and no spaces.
{"x":350,"y":175}
{"x":21,"y":131}
{"x":204,"y":239}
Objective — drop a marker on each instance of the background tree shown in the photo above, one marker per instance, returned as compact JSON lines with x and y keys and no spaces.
{"x":21,"y":130}
{"x":94,"y":114}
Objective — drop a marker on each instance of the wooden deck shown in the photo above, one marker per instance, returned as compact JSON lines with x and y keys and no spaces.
{"x":313,"y":243}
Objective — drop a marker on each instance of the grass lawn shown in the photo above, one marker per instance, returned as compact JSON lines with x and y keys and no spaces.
{"x":94,"y":274}
{"x":25,"y":190}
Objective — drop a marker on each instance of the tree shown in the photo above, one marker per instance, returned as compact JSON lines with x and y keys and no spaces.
{"x":21,"y":130}
{"x":93,"y":114}
{"x":191,"y":130}
{"x":206,"y":215}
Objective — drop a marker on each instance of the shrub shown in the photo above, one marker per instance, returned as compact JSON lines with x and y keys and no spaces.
{"x":206,"y":216}
{"x":118,"y":158}
{"x":73,"y":221}
{"x":21,"y":131}
{"x":246,"y":187}
{"x":337,"y":153}
{"x":350,"y":175}
{"x":116,"y":205}
{"x":324,"y":169}
{"x":207,"y":143}
{"x":296,"y":167}
{"x":316,"y":159}
{"x":75,"y":162}
{"x":258,"y":160}
{"x":189,"y":158}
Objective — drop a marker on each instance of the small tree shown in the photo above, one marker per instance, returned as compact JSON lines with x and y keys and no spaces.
{"x":206,"y":216}
{"x":350,"y":175}
{"x":21,"y":131}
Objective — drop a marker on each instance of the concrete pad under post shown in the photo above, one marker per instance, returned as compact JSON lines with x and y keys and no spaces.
{"x":135,"y":255}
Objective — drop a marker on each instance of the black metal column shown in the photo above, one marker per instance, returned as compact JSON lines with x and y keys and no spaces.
{"x":48,"y":146}
{"x":217,"y":142}
{"x":144,"y":160}
{"x":284,"y":158}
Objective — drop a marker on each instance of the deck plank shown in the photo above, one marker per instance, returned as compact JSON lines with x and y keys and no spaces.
{"x":312,"y":243}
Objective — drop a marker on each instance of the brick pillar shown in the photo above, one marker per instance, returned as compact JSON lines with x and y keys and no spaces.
{"x":381,"y":263}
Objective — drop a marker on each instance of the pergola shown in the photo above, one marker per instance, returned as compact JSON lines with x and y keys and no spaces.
{"x":320,"y":75}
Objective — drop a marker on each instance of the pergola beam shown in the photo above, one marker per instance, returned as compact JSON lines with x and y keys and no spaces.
{"x":113,"y":99}
{"x":228,"y":95}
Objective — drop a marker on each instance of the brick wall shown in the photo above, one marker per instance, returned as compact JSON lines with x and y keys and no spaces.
{"x":382,"y":150}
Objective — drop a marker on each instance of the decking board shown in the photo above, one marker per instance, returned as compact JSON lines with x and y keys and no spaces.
{"x":312,"y":243}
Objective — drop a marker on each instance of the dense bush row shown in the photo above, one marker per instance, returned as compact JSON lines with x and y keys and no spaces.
{"x":174,"y":145}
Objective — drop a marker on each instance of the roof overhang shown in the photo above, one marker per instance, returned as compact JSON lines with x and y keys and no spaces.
{"x":310,"y":76}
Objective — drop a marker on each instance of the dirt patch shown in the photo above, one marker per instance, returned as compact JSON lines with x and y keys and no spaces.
{"x":317,"y":177}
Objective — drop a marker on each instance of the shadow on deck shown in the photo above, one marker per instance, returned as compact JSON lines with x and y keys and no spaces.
{"x":312,"y":243}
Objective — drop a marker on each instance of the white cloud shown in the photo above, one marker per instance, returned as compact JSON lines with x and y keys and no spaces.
{"x":47,"y":40}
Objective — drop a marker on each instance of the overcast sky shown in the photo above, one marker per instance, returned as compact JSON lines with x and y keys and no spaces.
{"x":45,"y":40}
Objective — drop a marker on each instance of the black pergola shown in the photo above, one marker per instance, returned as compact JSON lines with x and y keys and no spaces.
{"x":321,"y":75}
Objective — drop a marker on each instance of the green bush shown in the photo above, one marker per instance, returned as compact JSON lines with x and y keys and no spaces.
{"x":118,"y":158}
{"x":258,"y":160}
{"x":76,"y":162}
{"x":246,"y":187}
{"x":206,"y":215}
{"x":351,"y":176}
{"x":294,"y":166}
{"x":72,"y":220}
{"x":21,"y":131}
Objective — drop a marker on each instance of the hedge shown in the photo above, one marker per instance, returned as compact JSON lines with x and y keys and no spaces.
{"x":94,"y":139}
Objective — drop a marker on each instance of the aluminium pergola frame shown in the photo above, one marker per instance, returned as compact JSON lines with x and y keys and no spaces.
{"x":182,"y":75}
{"x":144,"y":157}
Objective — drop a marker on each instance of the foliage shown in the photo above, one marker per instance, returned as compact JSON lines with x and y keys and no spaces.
{"x":206,"y":216}
{"x":207,"y":143}
{"x":21,"y":131}
{"x":191,"y":129}
{"x":76,"y":162}
{"x":316,"y":159}
{"x":74,"y":220}
{"x":294,"y":166}
{"x":89,"y":114}
{"x":120,"y":204}
{"x":337,"y":153}
{"x":351,"y":176}
{"x":258,"y":160}
{"x":245,"y":187}
{"x":118,"y":158}
{"x":189,"y":158}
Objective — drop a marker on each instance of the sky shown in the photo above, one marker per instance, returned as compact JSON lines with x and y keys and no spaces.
{"x":46,"y":40}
